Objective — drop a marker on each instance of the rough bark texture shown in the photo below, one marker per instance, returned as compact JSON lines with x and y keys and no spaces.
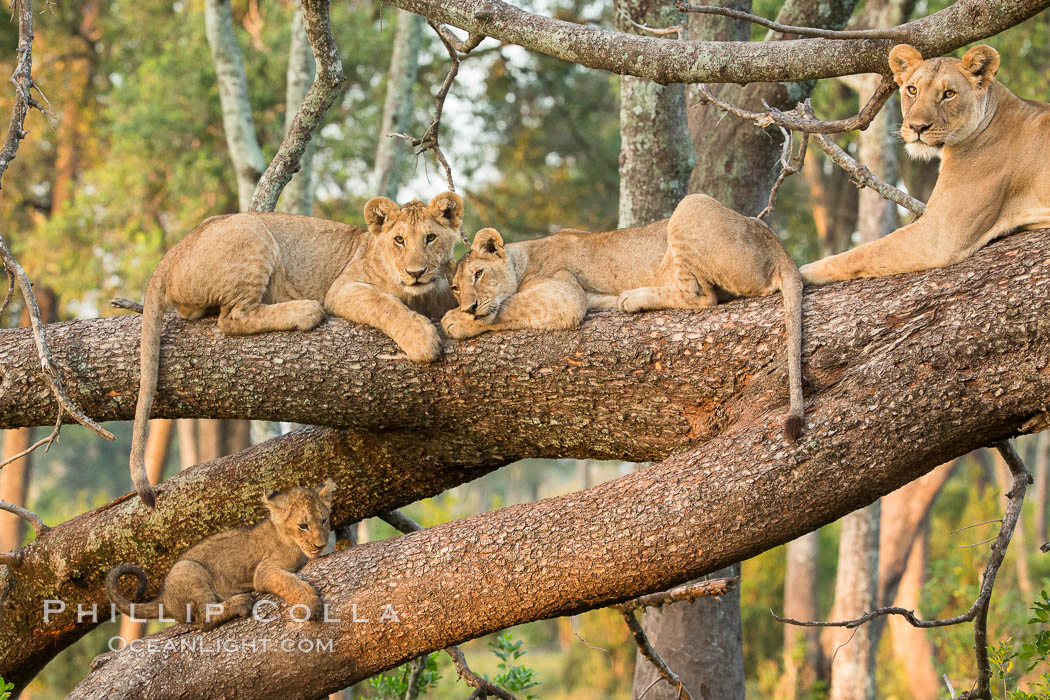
{"x":656,"y":155}
{"x":963,"y":22}
{"x":237,"y":121}
{"x":852,"y":652}
{"x":742,"y":175}
{"x":967,"y":363}
{"x":391,"y":153}
{"x":802,"y":653}
{"x":298,"y":195}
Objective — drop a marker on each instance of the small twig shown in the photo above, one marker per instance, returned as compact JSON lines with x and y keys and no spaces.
{"x":587,"y":644}
{"x":47,"y":364}
{"x":11,"y":559}
{"x":126,"y":304}
{"x":690,"y":591}
{"x":978,"y":612}
{"x":975,"y":544}
{"x":789,"y":165}
{"x":405,"y":524}
{"x":46,"y":442}
{"x":676,"y":29}
{"x":967,"y":527}
{"x":812,"y":125}
{"x":892,"y":33}
{"x":951,"y":690}
{"x":653,"y":656}
{"x":475,"y":681}
{"x":29,"y":516}
{"x":464,"y":46}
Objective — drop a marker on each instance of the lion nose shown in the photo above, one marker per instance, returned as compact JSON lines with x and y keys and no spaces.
{"x":918,"y":127}
{"x":416,"y":273}
{"x":473,"y":308}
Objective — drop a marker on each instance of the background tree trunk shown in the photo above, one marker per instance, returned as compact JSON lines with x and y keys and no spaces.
{"x":298,"y":194}
{"x":391,"y":153}
{"x":912,"y":648}
{"x":1042,"y":484}
{"x":802,"y":658}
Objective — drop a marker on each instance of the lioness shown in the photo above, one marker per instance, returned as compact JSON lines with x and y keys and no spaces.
{"x":704,"y":252}
{"x":994,"y":149}
{"x":278,"y":272}
{"x":213,"y":580}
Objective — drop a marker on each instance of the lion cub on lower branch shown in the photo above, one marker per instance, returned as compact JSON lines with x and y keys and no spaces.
{"x":213,"y":581}
{"x":280,"y":272}
{"x":686,"y":262}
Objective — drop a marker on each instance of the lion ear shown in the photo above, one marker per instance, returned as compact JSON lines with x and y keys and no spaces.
{"x":377,"y":211}
{"x":979,"y":65}
{"x":904,"y":59}
{"x":487,"y":241}
{"x":270,"y":503}
{"x":448,"y":207}
{"x":324,"y":492}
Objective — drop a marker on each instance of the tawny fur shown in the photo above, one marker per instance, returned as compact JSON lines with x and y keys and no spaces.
{"x":994,"y":149}
{"x":704,"y":252}
{"x":280,"y":272}
{"x":227,"y":568}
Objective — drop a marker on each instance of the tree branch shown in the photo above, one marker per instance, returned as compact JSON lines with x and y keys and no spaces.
{"x":650,"y":653}
{"x":327,"y":85}
{"x":895,"y":33}
{"x":667,"y":61}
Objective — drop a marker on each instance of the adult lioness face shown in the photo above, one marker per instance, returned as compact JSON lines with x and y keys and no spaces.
{"x":415,"y":241}
{"x":484,"y":278}
{"x":942,"y":99}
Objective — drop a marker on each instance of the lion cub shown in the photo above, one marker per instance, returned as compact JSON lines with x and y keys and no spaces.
{"x":280,"y":272}
{"x":703,"y":252}
{"x":994,"y":149}
{"x":213,"y":581}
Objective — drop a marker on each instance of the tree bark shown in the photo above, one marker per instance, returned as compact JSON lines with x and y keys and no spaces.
{"x":298,"y":194}
{"x":961,"y":23}
{"x":911,"y":646}
{"x":237,"y":120}
{"x":679,"y":379}
{"x":391,"y":153}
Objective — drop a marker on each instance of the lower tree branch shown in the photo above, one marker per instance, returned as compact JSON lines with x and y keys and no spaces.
{"x":653,"y":656}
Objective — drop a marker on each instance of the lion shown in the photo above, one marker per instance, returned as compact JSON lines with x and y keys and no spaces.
{"x":993,"y":146}
{"x":703,"y":253}
{"x":280,"y":272}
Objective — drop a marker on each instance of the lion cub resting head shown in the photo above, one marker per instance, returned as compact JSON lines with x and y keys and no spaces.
{"x":704,"y":252}
{"x":213,"y":581}
{"x":279,"y":272}
{"x":993,"y":146}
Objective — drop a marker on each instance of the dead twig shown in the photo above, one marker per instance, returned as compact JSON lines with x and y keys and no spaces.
{"x":978,"y":612}
{"x":464,"y":46}
{"x":812,"y":125}
{"x":482,"y":687}
{"x":653,"y":656}
{"x":789,"y":165}
{"x":126,"y":304}
{"x":891,"y":33}
{"x":676,"y":29}
{"x":30,"y":517}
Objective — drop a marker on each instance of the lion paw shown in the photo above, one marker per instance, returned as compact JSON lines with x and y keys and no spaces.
{"x":309,"y":314}
{"x":815,"y":273}
{"x":420,"y":341}
{"x":459,"y":325}
{"x":632,"y":301}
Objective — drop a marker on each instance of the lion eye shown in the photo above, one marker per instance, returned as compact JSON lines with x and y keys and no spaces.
{"x":949,"y":94}
{"x":431,"y":238}
{"x":324,"y":522}
{"x":303,"y":526}
{"x":911,"y":90}
{"x":477,"y":275}
{"x":455,"y":288}
{"x":399,"y":240}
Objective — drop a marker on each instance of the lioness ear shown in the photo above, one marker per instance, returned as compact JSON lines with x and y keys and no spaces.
{"x":448,"y":206}
{"x":979,"y":65}
{"x":377,"y":210}
{"x":903,"y":60}
{"x":325,"y":492}
{"x":487,"y":241}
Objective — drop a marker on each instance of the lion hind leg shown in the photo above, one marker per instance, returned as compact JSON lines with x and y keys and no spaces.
{"x":249,"y":318}
{"x":656,"y":298}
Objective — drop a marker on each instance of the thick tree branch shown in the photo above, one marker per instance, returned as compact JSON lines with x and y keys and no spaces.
{"x":666,"y":61}
{"x":899,"y":385}
{"x":327,"y":86}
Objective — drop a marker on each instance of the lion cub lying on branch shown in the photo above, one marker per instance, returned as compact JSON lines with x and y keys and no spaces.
{"x":704,"y":251}
{"x":994,"y":149}
{"x":280,"y":272}
{"x":212,"y":582}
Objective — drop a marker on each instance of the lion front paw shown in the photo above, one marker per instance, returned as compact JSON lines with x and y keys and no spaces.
{"x":631,"y":301}
{"x":420,"y":341}
{"x":459,"y":325}
{"x":310,"y":314}
{"x":816,"y":273}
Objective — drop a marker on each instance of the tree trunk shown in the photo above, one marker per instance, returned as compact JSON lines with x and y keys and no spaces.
{"x":157,"y":444}
{"x":1042,"y":484}
{"x":186,"y":429}
{"x":218,"y":438}
{"x":391,"y":153}
{"x":237,"y":120}
{"x":803,"y":660}
{"x":703,"y":386}
{"x":911,"y":646}
{"x":298,"y":194}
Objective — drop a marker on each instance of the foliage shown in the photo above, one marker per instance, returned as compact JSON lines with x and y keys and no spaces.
{"x":393,"y":685}
{"x":1034,"y":653}
{"x":513,"y":677}
{"x":5,"y":689}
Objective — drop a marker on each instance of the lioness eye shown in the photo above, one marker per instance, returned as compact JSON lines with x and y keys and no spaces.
{"x":477,"y":275}
{"x":911,"y":90}
{"x":949,"y":94}
{"x":324,"y":522}
{"x":431,"y":238}
{"x":303,"y":526}
{"x":455,"y":288}
{"x":399,"y":240}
